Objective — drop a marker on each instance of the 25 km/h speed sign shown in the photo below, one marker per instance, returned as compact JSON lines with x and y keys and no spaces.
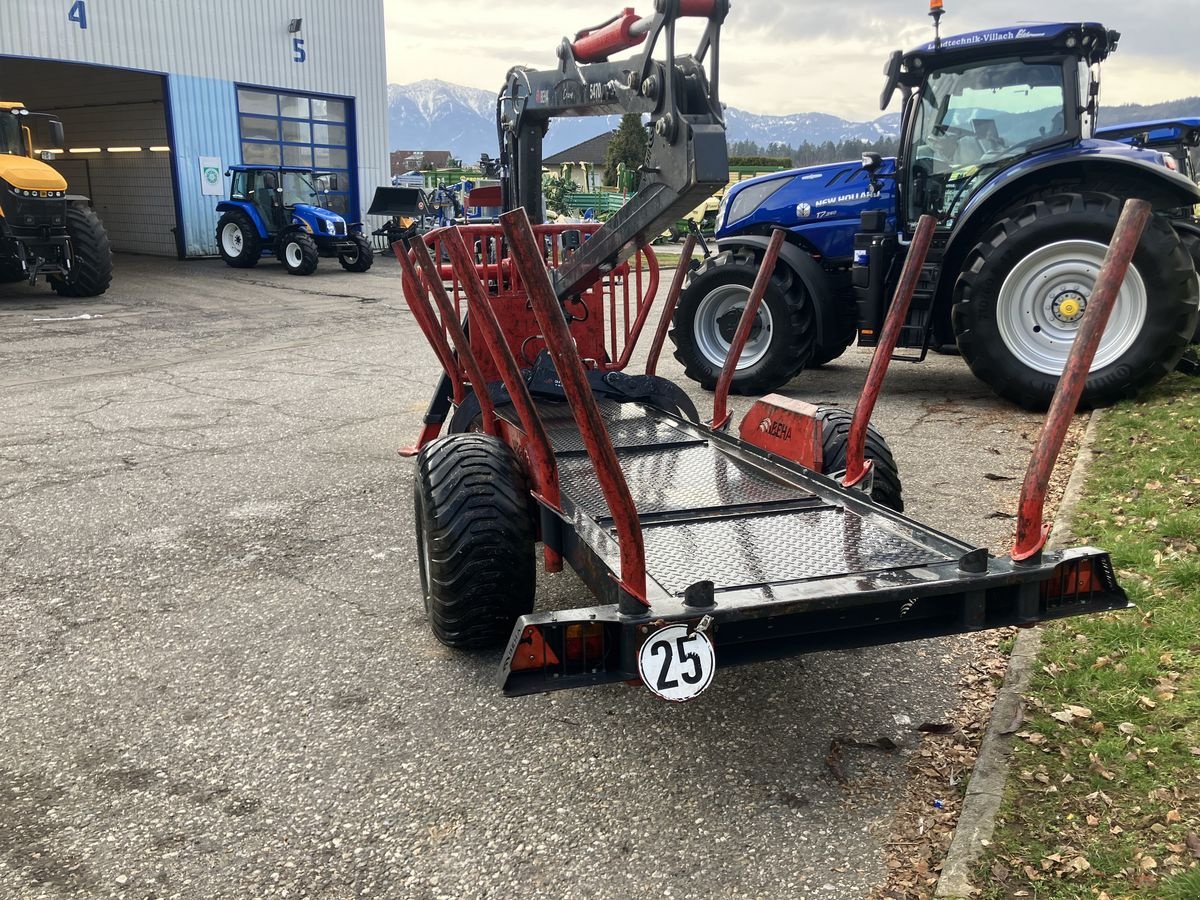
{"x":677,"y":663}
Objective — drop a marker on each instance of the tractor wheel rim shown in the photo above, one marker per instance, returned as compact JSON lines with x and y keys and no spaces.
{"x":294,"y":255}
{"x":712,"y":344}
{"x":351,"y":257}
{"x":232,"y":240}
{"x":1044,"y":299}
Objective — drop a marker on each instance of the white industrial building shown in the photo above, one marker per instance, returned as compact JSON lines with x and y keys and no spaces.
{"x":158,"y":97}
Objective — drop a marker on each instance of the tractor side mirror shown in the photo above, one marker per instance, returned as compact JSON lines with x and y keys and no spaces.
{"x":57,"y":138}
{"x":891,"y":72}
{"x":331,"y":183}
{"x":872,"y":162}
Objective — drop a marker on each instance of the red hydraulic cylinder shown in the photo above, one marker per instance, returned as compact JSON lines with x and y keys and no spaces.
{"x":617,"y":35}
{"x":721,"y":401}
{"x":526,"y":251}
{"x":668,"y":312}
{"x":1031,"y":532}
{"x":856,"y":465}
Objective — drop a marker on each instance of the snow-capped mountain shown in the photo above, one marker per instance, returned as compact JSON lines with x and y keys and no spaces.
{"x":437,"y":115}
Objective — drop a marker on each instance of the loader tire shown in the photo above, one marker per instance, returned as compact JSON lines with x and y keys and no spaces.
{"x":780,"y":345}
{"x":1023,"y":290}
{"x":91,"y":267}
{"x":298,"y":253}
{"x":238,"y":240}
{"x":362,"y":257}
{"x":475,"y":540}
{"x":886,"y":489}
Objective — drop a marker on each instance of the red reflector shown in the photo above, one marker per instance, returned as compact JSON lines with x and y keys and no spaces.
{"x":1072,"y":579}
{"x":532,"y":652}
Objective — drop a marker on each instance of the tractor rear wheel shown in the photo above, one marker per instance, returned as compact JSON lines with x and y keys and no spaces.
{"x":1191,"y":240}
{"x":91,"y":266}
{"x":238,"y":240}
{"x":1024,"y":288}
{"x":710,"y":307}
{"x":361,"y":258}
{"x":475,"y":540}
{"x":885,"y":489}
{"x":298,"y":253}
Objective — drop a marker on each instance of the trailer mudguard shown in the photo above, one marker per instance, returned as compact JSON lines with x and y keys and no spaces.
{"x":1095,"y":157}
{"x":809,"y":271}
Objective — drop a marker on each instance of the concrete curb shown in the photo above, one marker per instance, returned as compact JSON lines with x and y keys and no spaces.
{"x":986,"y":787}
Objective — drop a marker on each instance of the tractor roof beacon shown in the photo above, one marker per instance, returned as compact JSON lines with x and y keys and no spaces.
{"x":272,"y":210}
{"x":702,"y":546}
{"x":997,"y":143}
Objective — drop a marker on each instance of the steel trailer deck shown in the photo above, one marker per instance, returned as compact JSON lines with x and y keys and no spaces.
{"x":795,"y":561}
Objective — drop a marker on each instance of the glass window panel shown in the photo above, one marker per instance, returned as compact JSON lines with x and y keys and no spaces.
{"x":329,"y":110}
{"x":297,"y":132}
{"x":339,"y":203}
{"x":258,"y":102}
{"x":297,"y":156}
{"x":330,"y":158}
{"x":260,"y":129}
{"x":260,"y":154}
{"x":295,"y":107}
{"x":329,"y":134}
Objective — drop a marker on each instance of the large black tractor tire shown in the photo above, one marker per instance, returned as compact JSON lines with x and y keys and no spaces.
{"x":91,"y":266}
{"x":781,"y":343}
{"x":1192,"y":242}
{"x":298,"y":253}
{"x":1023,"y":289}
{"x":11,"y":271}
{"x":885,"y":489}
{"x":238,"y":240}
{"x":475,"y":540}
{"x":361,"y":259}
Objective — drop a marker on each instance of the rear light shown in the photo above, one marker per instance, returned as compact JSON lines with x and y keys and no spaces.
{"x":1079,"y":581}
{"x":585,"y":642}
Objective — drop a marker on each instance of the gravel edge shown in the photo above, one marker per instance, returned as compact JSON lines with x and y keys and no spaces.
{"x":985,"y":790}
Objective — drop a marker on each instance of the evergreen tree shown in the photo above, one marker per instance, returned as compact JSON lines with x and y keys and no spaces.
{"x":628,"y":146}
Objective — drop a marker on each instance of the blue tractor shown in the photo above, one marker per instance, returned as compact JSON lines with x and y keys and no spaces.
{"x":274,"y":210}
{"x":997,"y":143}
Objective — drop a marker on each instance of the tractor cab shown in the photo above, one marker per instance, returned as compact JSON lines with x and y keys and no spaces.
{"x":278,"y":210}
{"x":978,"y":104}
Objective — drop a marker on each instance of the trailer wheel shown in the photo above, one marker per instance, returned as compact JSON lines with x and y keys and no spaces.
{"x":91,"y":268}
{"x":361,"y":258}
{"x":886,"y":489}
{"x":1024,"y":288}
{"x":783,"y":338}
{"x":238,"y":241}
{"x":474,"y":540}
{"x":298,"y":252}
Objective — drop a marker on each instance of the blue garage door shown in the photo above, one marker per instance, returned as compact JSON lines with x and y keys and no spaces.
{"x":300,"y":130}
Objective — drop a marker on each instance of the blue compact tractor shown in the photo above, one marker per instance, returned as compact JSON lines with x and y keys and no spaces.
{"x":998,"y":143}
{"x":274,"y":211}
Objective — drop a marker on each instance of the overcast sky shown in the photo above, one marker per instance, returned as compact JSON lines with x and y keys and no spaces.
{"x":784,"y":56}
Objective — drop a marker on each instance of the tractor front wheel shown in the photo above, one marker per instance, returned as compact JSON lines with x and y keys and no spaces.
{"x":1024,"y":290}
{"x":710,"y":307}
{"x":298,"y":253}
{"x":885,"y":488}
{"x":91,"y":256}
{"x":475,"y":540}
{"x":238,"y":240}
{"x":359,"y":259}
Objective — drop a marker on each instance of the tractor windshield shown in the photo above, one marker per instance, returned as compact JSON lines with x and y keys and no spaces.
{"x":973,"y":120}
{"x":297,"y":189}
{"x":11,"y":142}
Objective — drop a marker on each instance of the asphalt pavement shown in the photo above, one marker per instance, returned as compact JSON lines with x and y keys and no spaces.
{"x":217,"y":676}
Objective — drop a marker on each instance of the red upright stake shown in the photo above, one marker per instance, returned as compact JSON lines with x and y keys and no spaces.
{"x":1031,"y":532}
{"x":668,"y":312}
{"x":527,"y":257}
{"x":745,"y":325}
{"x":856,"y":464}
{"x":433,"y":282}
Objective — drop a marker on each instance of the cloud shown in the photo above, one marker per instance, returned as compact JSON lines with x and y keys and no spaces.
{"x":782,"y":56}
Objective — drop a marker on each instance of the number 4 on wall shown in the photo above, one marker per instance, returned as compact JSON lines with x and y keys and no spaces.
{"x":78,"y":14}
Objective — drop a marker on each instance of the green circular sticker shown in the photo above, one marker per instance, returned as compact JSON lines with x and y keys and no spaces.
{"x":211,"y":174}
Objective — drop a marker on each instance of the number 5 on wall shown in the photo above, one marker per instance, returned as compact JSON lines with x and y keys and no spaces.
{"x":78,"y":13}
{"x":299,"y":54}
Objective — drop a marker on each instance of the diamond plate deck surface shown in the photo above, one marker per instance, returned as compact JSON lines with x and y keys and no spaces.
{"x":627,"y":424}
{"x":675,"y":478}
{"x":776,"y":548}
